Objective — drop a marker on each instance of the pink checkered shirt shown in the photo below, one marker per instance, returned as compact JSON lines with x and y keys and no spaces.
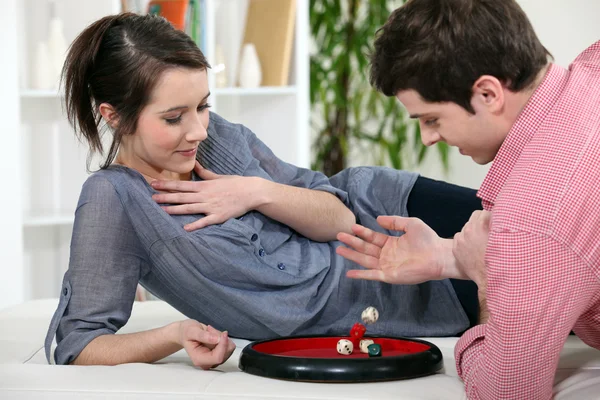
{"x":543,"y":254}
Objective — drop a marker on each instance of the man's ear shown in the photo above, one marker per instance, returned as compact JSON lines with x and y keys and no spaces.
{"x":109,"y":115}
{"x":488,"y":93}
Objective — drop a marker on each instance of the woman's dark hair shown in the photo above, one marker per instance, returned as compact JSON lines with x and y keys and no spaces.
{"x":118,"y":60}
{"x":439,"y":48}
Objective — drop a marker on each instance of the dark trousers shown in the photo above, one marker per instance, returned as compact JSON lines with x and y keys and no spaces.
{"x":446,"y":208}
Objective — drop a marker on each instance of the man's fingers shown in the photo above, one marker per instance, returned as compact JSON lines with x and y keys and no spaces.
{"x":359,"y":245}
{"x":366,"y":274}
{"x":402,"y":275}
{"x":394,"y":223}
{"x":370,"y":236}
{"x":359,"y":258}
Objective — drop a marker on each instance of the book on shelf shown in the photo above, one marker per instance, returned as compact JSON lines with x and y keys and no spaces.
{"x":270,"y":27}
{"x":186,"y":15}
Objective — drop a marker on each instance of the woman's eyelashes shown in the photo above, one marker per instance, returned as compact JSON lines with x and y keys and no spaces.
{"x":173,"y":121}
{"x":177,"y":120}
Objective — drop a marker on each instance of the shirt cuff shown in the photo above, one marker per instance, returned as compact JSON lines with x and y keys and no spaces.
{"x":73,"y":344}
{"x":469,"y":348}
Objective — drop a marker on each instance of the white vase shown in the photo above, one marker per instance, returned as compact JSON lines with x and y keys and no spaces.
{"x":42,"y":71}
{"x":57,"y":44}
{"x":220,"y":67}
{"x":250,"y":69}
{"x":231,"y":35}
{"x":57,"y":49}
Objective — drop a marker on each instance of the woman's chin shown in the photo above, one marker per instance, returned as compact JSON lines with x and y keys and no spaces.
{"x":183,"y":168}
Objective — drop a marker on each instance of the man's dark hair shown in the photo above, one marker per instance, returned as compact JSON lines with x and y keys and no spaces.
{"x":439,"y":48}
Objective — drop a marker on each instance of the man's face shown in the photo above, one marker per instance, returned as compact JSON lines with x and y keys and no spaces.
{"x":478,"y":135}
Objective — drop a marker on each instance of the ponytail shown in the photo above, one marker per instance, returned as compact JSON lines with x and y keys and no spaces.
{"x":76,"y":73}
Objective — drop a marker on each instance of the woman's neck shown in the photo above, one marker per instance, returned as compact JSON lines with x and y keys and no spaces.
{"x":149,"y":172}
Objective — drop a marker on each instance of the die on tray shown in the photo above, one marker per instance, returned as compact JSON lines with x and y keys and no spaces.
{"x":358,"y":331}
{"x":374,"y":350}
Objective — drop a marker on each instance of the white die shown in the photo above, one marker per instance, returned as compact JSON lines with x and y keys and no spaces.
{"x":364,"y":345}
{"x":370,"y":315}
{"x":345,"y":347}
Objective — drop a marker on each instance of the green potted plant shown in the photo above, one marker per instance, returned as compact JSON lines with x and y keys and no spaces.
{"x":348,"y":115}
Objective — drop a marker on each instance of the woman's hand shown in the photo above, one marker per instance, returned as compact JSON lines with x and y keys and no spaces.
{"x":220,"y":197}
{"x":206,"y":346}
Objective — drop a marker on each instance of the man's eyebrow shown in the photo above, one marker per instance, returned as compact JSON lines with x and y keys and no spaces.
{"x":414,"y":116}
{"x":181,"y":107}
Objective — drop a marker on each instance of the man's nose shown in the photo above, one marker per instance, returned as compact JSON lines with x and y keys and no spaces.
{"x":429,"y":136}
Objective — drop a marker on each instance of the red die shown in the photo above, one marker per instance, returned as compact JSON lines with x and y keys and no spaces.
{"x":357,"y":332}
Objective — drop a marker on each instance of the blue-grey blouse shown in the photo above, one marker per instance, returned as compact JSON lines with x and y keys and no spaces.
{"x":251,"y":275}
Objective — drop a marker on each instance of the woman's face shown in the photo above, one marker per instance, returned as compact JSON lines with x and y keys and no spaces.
{"x":170,"y":127}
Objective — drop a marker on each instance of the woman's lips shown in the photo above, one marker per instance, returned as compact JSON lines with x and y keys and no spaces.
{"x":188,"y":153}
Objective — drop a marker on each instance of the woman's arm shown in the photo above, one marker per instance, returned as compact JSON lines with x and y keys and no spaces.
{"x":315,"y":214}
{"x":205,"y":346}
{"x":291,"y":195}
{"x":106,"y":263}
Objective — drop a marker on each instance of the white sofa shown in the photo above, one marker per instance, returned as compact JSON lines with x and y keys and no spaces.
{"x":24,"y":373}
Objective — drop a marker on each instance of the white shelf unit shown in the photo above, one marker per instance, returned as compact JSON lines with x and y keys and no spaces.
{"x":49,"y":164}
{"x":48,"y":218}
{"x":230,"y":91}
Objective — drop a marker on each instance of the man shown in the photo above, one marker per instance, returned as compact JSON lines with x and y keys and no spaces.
{"x":476,"y":76}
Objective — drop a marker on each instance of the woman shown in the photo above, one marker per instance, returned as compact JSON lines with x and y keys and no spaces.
{"x":202,"y":214}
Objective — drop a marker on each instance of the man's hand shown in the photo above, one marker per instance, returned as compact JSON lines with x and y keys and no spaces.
{"x":469,"y":248}
{"x":206,"y":346}
{"x":220,"y":197}
{"x":418,"y":256}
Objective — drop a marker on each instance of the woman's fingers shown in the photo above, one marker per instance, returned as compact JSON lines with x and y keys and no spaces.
{"x":203,"y":222}
{"x":176,"y":186}
{"x":208,"y":347}
{"x":204,"y":336}
{"x":218,"y":355}
{"x":230,"y":344}
{"x":178,"y":198}
{"x":199,"y":208}
{"x":204,"y":173}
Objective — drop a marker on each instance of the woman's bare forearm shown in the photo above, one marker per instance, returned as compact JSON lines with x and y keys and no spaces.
{"x":316,"y":214}
{"x":141,"y":347}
